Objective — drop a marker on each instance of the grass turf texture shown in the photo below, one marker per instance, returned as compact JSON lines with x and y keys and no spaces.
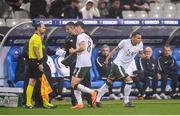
{"x":143,"y":107}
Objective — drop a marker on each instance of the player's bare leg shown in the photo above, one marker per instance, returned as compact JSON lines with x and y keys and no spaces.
{"x":103,"y":90}
{"x":78,"y":88}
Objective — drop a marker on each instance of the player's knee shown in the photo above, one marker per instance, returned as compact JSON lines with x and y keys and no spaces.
{"x":32,"y":82}
{"x":130,"y":82}
{"x":75,"y":86}
{"x":109,"y":82}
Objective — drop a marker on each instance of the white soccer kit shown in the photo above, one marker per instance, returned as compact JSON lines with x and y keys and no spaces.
{"x":126,"y":55}
{"x":84,"y":57}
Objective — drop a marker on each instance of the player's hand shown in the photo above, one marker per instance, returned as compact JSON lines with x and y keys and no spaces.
{"x":58,"y":49}
{"x":71,"y":50}
{"x":106,"y":61}
{"x":41,"y":67}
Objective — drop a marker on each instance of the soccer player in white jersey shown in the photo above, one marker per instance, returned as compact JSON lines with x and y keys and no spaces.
{"x":84,"y":46}
{"x":123,"y":66}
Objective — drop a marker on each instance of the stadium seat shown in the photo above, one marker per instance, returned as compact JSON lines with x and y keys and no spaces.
{"x":169,"y":7}
{"x":178,"y":7}
{"x":117,"y":84}
{"x":11,"y":60}
{"x":20,"y":14}
{"x":177,"y":14}
{"x":156,"y":52}
{"x":67,"y":84}
{"x":141,"y":14}
{"x":128,"y":14}
{"x":156,"y":7}
{"x":94,"y":74}
{"x":24,"y":20}
{"x":168,"y":14}
{"x":2,"y":23}
{"x":97,"y":84}
{"x":94,"y":67}
{"x":12,"y":22}
{"x":155,"y":14}
{"x":176,"y":55}
{"x":165,"y":1}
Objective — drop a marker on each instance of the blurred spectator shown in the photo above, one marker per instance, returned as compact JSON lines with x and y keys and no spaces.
{"x":149,"y":68}
{"x":126,"y":4}
{"x":153,"y":1}
{"x":90,"y":11}
{"x":56,"y":9}
{"x":38,"y":9}
{"x":115,"y":10}
{"x":15,"y":4}
{"x":135,"y":5}
{"x":175,"y":1}
{"x":103,"y":8}
{"x":140,"y":5}
{"x":48,"y":6}
{"x":104,"y":69}
{"x":168,"y":69}
{"x":72,"y":10}
{"x":2,"y":8}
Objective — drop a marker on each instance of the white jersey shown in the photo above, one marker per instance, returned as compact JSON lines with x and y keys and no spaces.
{"x":84,"y":57}
{"x":127,"y":52}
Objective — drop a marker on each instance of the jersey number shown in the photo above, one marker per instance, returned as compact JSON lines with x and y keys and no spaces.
{"x":89,"y":47}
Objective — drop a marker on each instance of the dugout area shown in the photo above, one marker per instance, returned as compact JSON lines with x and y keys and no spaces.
{"x":106,"y":31}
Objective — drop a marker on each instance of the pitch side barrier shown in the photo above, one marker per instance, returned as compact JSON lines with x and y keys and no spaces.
{"x":111,"y":22}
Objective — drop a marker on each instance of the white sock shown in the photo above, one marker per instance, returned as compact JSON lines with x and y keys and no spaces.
{"x":84,"y":89}
{"x":127,"y":91}
{"x":78,"y":94}
{"x":101,"y":92}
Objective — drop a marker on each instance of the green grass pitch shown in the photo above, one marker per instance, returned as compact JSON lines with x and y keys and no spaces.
{"x":111,"y":107}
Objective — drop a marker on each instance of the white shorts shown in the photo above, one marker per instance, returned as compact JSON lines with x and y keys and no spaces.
{"x":130,"y":68}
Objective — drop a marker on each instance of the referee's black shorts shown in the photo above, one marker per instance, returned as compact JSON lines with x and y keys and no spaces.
{"x":34,"y":71}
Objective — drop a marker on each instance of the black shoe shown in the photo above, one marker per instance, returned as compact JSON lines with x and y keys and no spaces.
{"x":129,"y":105}
{"x":38,"y":106}
{"x":49,"y":107}
{"x":98,"y":104}
{"x":59,"y":98}
{"x":28,"y":107}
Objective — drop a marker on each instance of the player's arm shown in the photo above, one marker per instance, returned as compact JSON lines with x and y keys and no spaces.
{"x":111,"y":54}
{"x":141,"y":52}
{"x":120,"y":45}
{"x":36,"y":52}
{"x":142,"y":55}
{"x":81,"y":48}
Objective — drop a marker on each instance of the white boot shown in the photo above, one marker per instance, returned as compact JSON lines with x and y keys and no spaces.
{"x":156,"y":96}
{"x":163,"y":96}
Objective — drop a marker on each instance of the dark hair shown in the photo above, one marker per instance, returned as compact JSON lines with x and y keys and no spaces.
{"x":167,"y":46}
{"x":79,"y":23}
{"x":38,"y":25}
{"x":114,"y":1}
{"x":76,"y":1}
{"x":135,"y":33}
{"x":70,"y":24}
